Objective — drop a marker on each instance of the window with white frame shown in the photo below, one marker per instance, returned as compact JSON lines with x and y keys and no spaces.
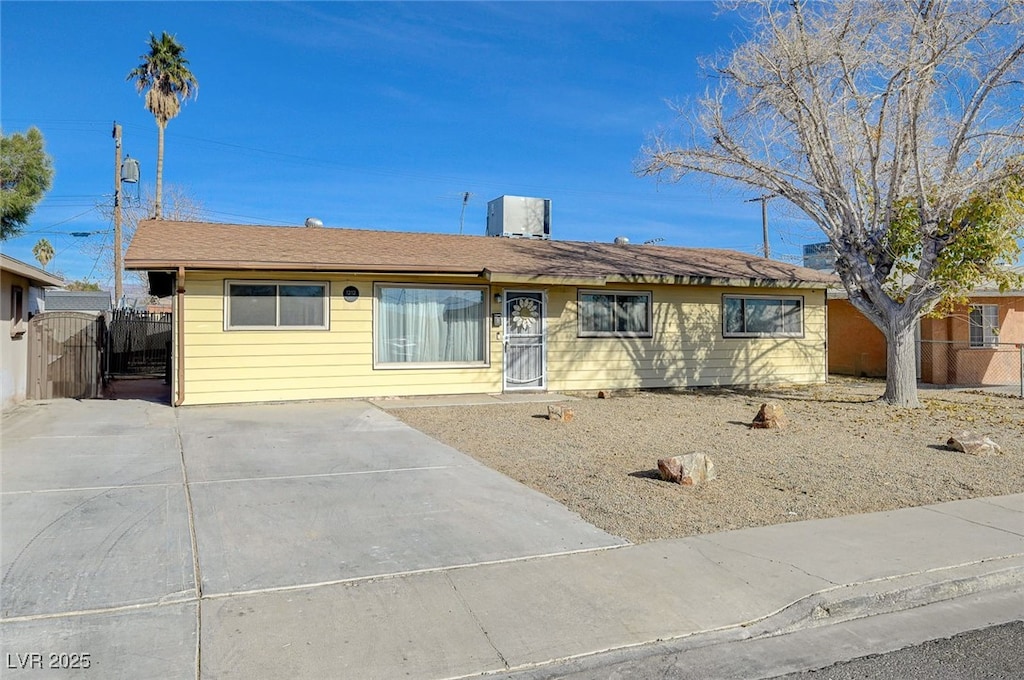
{"x":762,"y":316}
{"x":258,"y":305}
{"x":432,"y":326}
{"x":614,"y":314}
{"x":984,"y":323}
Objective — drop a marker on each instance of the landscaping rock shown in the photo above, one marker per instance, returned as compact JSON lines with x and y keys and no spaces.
{"x":974,"y":444}
{"x":691,"y":469}
{"x":604,"y":394}
{"x":560,"y":412}
{"x":770,"y":416}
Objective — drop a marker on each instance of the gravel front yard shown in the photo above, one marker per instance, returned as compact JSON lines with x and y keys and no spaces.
{"x":842,"y":453}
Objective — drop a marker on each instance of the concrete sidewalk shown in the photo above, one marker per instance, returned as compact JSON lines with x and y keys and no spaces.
{"x":525,"y":614}
{"x":328,"y":540}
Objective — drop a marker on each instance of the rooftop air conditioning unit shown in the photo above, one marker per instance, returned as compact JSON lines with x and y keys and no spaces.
{"x":519,"y":217}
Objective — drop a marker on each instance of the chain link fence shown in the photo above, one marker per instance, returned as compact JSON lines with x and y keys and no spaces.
{"x":996,"y":366}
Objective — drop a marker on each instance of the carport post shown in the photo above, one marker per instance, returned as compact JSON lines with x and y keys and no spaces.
{"x":179,"y":323}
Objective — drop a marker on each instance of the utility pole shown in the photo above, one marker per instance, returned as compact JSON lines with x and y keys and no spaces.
{"x":462,"y":216}
{"x":764,"y":221}
{"x":118,"y":264}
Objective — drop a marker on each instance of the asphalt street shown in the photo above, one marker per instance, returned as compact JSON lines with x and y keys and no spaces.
{"x":994,"y":653}
{"x":975,"y":637}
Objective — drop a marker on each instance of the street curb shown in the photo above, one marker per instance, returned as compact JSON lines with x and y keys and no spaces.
{"x":834,"y":605}
{"x":900,"y":593}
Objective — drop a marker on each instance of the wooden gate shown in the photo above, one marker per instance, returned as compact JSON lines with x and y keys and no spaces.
{"x":65,"y":355}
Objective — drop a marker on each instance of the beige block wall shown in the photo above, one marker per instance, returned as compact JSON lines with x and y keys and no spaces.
{"x":687,"y":348}
{"x":13,"y":351}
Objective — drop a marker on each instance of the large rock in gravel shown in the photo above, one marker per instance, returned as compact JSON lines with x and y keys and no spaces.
{"x":972,"y":443}
{"x":692,"y":469}
{"x":770,"y":416}
{"x":560,"y":412}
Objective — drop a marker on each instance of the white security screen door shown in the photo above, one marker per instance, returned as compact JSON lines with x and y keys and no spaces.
{"x":524,"y":340}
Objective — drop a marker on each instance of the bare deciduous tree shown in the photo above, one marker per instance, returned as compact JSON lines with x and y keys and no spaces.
{"x":180,"y":205}
{"x":896,"y":126}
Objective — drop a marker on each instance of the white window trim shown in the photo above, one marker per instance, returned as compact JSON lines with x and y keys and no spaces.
{"x":989,"y":335}
{"x":326,"y":285}
{"x":803,"y":321}
{"x":397,"y":366}
{"x":580,"y":292}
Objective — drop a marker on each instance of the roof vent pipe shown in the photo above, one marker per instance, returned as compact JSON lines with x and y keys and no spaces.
{"x":314,"y":222}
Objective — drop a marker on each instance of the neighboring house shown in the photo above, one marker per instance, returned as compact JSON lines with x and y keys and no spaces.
{"x":975,"y":344}
{"x":978,"y":343}
{"x":855,"y":345}
{"x":76,"y":301}
{"x":20,"y":288}
{"x":289,"y":313}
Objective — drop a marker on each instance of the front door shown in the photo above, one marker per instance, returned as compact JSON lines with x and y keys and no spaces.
{"x":524,"y":341}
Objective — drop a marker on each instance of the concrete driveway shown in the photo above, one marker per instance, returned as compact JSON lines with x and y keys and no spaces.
{"x":129,"y":529}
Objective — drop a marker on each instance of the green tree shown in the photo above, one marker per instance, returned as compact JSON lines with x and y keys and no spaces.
{"x":165,"y":77}
{"x":895,"y":127}
{"x":82,"y":284}
{"x":26,"y":173}
{"x":44,"y":252}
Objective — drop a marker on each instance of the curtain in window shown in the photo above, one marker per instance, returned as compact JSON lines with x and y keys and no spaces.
{"x":632,"y":317}
{"x":733,"y":315}
{"x":302,"y":305}
{"x":430,"y":325}
{"x":597,"y":313}
{"x":763,"y":316}
{"x":984,"y":320}
{"x":253,"y":305}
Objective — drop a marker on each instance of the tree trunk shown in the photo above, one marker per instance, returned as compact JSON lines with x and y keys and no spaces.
{"x":157,"y":202}
{"x":901,"y":364}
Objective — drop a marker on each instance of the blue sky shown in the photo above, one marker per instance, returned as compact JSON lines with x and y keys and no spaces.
{"x":376,"y":116}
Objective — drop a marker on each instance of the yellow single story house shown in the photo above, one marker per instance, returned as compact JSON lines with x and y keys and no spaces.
{"x":293,"y":313}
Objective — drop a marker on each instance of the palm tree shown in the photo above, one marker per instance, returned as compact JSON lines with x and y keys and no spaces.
{"x":43,"y":251}
{"x":164,"y":72}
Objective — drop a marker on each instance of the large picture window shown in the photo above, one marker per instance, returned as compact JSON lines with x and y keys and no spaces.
{"x":271,"y":304}
{"x":430,"y":326}
{"x":759,"y":316}
{"x":984,"y":321}
{"x":614,"y":314}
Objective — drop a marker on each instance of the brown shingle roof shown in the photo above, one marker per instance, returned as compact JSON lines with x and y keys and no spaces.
{"x":164,"y":244}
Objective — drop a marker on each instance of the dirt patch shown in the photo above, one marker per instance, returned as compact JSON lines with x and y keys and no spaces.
{"x":842,"y":453}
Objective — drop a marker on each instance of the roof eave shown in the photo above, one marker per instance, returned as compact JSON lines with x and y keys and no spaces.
{"x":543,"y":279}
{"x":27,"y":271}
{"x":168,"y":265}
{"x":727,"y":281}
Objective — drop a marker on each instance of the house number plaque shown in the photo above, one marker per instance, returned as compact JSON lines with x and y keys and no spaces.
{"x":351,"y":293}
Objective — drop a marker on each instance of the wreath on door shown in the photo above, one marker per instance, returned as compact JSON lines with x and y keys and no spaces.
{"x":524,"y":314}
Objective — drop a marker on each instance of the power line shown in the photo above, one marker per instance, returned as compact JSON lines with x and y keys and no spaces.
{"x":248,"y":217}
{"x":320,"y":162}
{"x":42,"y":230}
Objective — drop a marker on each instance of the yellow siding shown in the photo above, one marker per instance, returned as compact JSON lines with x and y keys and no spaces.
{"x":687,"y":348}
{"x":271,"y":365}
